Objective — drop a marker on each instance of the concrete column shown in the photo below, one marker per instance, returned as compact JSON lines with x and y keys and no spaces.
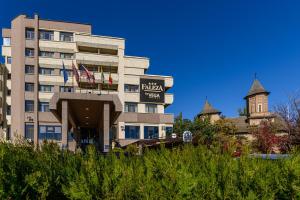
{"x":106,"y":126}
{"x":64,"y":120}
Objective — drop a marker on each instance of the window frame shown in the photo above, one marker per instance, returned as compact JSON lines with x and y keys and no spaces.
{"x":27,"y":84}
{"x":127,"y":109}
{"x":30,"y":105}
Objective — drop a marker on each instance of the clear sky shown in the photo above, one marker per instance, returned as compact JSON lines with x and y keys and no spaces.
{"x":211,"y":48}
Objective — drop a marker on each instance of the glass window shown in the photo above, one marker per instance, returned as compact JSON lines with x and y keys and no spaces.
{"x":29,"y":69}
{"x":46,"y":88}
{"x":49,"y":132}
{"x":8,"y":60}
{"x":169,"y":130}
{"x":130,"y":107}
{"x":131,"y":88}
{"x":8,"y":92}
{"x":69,"y":72}
{"x":29,"y":131}
{"x":29,"y":33}
{"x":66,"y":89}
{"x":8,"y":111}
{"x":46,"y":35}
{"x":29,"y":105}
{"x":6,"y":41}
{"x":46,"y":71}
{"x":66,"y":55}
{"x":9,"y":76}
{"x":150,"y":132}
{"x":47,"y":54}
{"x":259,"y":107}
{"x":132,"y":132}
{"x":67,"y":37}
{"x":29,"y":87}
{"x":44,"y":106}
{"x":29,"y":52}
{"x":151,"y":108}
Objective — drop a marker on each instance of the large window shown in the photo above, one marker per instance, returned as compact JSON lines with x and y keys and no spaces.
{"x":130,"y":107}
{"x":29,"y":87}
{"x":46,"y":35}
{"x":169,"y":130}
{"x":66,"y":55}
{"x":151,"y":108}
{"x":46,"y":71}
{"x":29,"y":131}
{"x":6,"y":41}
{"x":46,"y":88}
{"x":44,"y":106}
{"x":132,"y":132}
{"x":65,"y":36}
{"x":8,"y":60}
{"x":150,"y":132}
{"x":29,"y":69}
{"x":29,"y":105}
{"x":29,"y":33}
{"x":47,"y":54}
{"x":49,"y":132}
{"x":131,"y":88}
{"x":29,"y":52}
{"x":66,"y":89}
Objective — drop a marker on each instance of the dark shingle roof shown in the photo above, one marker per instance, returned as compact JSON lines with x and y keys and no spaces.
{"x":208,"y":109}
{"x":256,"y":88}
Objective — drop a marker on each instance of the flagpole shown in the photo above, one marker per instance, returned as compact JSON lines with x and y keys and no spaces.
{"x":73,"y":77}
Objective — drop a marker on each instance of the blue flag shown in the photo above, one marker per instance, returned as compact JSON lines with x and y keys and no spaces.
{"x":65,"y":73}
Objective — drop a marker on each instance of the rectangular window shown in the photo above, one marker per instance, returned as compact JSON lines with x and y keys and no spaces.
{"x":44,"y":106}
{"x":8,"y":111}
{"x":29,"y":87}
{"x":29,"y":52}
{"x":46,"y":88}
{"x":65,"y":36}
{"x":8,"y":92}
{"x":8,"y":60}
{"x":46,"y":35}
{"x":47,"y":54}
{"x":150,"y":132}
{"x":29,"y":33}
{"x":131,"y":88}
{"x":151,"y":108}
{"x":169,"y":130}
{"x":66,"y":55}
{"x":50,"y":132}
{"x":66,"y":89}
{"x":46,"y":71}
{"x":132,"y":132}
{"x":9,"y":76}
{"x":69,"y":72}
{"x":6,"y":41}
{"x":29,"y":69}
{"x":130,"y":107}
{"x":259,"y":108}
{"x":29,"y":105}
{"x":29,"y":131}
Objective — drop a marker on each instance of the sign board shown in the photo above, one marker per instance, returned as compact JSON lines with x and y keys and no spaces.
{"x":187,"y":136}
{"x":152,"y":90}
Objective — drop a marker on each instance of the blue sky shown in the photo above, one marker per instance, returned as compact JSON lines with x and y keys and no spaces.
{"x":211,"y":48}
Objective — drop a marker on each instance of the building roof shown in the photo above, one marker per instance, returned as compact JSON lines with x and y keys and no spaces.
{"x":256,"y":88}
{"x":241,"y":124}
{"x":208,"y":109}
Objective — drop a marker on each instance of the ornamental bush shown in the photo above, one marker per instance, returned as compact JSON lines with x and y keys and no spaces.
{"x":185,"y":172}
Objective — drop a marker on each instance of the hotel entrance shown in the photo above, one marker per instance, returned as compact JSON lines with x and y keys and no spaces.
{"x":88,"y":136}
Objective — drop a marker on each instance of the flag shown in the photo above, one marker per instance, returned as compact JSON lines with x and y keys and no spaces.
{"x":85,"y":72}
{"x":102,"y":76}
{"x":65,"y":73}
{"x":75,"y":72}
{"x":110,"y":80}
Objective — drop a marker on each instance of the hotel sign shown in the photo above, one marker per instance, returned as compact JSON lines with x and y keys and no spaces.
{"x":152,"y":90}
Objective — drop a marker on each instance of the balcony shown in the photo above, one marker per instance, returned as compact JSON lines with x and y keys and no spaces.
{"x":6,"y":50}
{"x":58,"y":46}
{"x":169,"y":98}
{"x":55,"y":62}
{"x":99,"y":41}
{"x":97,"y":59}
{"x":136,"y":62}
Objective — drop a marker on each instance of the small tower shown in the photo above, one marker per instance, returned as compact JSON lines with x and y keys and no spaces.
{"x":257,"y":103}
{"x":209,"y":112}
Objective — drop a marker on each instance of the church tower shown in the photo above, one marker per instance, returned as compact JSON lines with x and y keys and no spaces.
{"x":257,"y":104}
{"x":209,"y":112}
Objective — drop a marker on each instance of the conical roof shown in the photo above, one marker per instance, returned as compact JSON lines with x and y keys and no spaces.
{"x":208,"y":109}
{"x":256,"y":88}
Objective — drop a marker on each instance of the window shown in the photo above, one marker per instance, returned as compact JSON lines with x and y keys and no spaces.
{"x":44,"y":106}
{"x":132,"y":132}
{"x":49,"y":132}
{"x":29,"y":105}
{"x":46,"y":35}
{"x":66,"y":55}
{"x":66,"y":89}
{"x":8,"y":60}
{"x":130,"y":107}
{"x":46,"y":71}
{"x":6,"y":41}
{"x":151,"y":108}
{"x":9,"y":76}
{"x":69,"y":72}
{"x":8,"y":92}
{"x":29,"y":52}
{"x":150,"y":132}
{"x":8,"y":110}
{"x":67,"y":37}
{"x":259,"y":108}
{"x":29,"y":69}
{"x":29,"y":33}
{"x":29,"y":131}
{"x":131,"y":88}
{"x":169,"y":130}
{"x":47,"y":54}
{"x":46,"y":88}
{"x":29,"y":87}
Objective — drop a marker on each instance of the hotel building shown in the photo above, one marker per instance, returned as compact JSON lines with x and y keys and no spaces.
{"x":40,"y":106}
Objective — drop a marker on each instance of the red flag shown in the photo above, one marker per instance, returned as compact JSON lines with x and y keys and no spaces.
{"x":75,"y":72}
{"x":110,"y":80}
{"x":85,"y":72}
